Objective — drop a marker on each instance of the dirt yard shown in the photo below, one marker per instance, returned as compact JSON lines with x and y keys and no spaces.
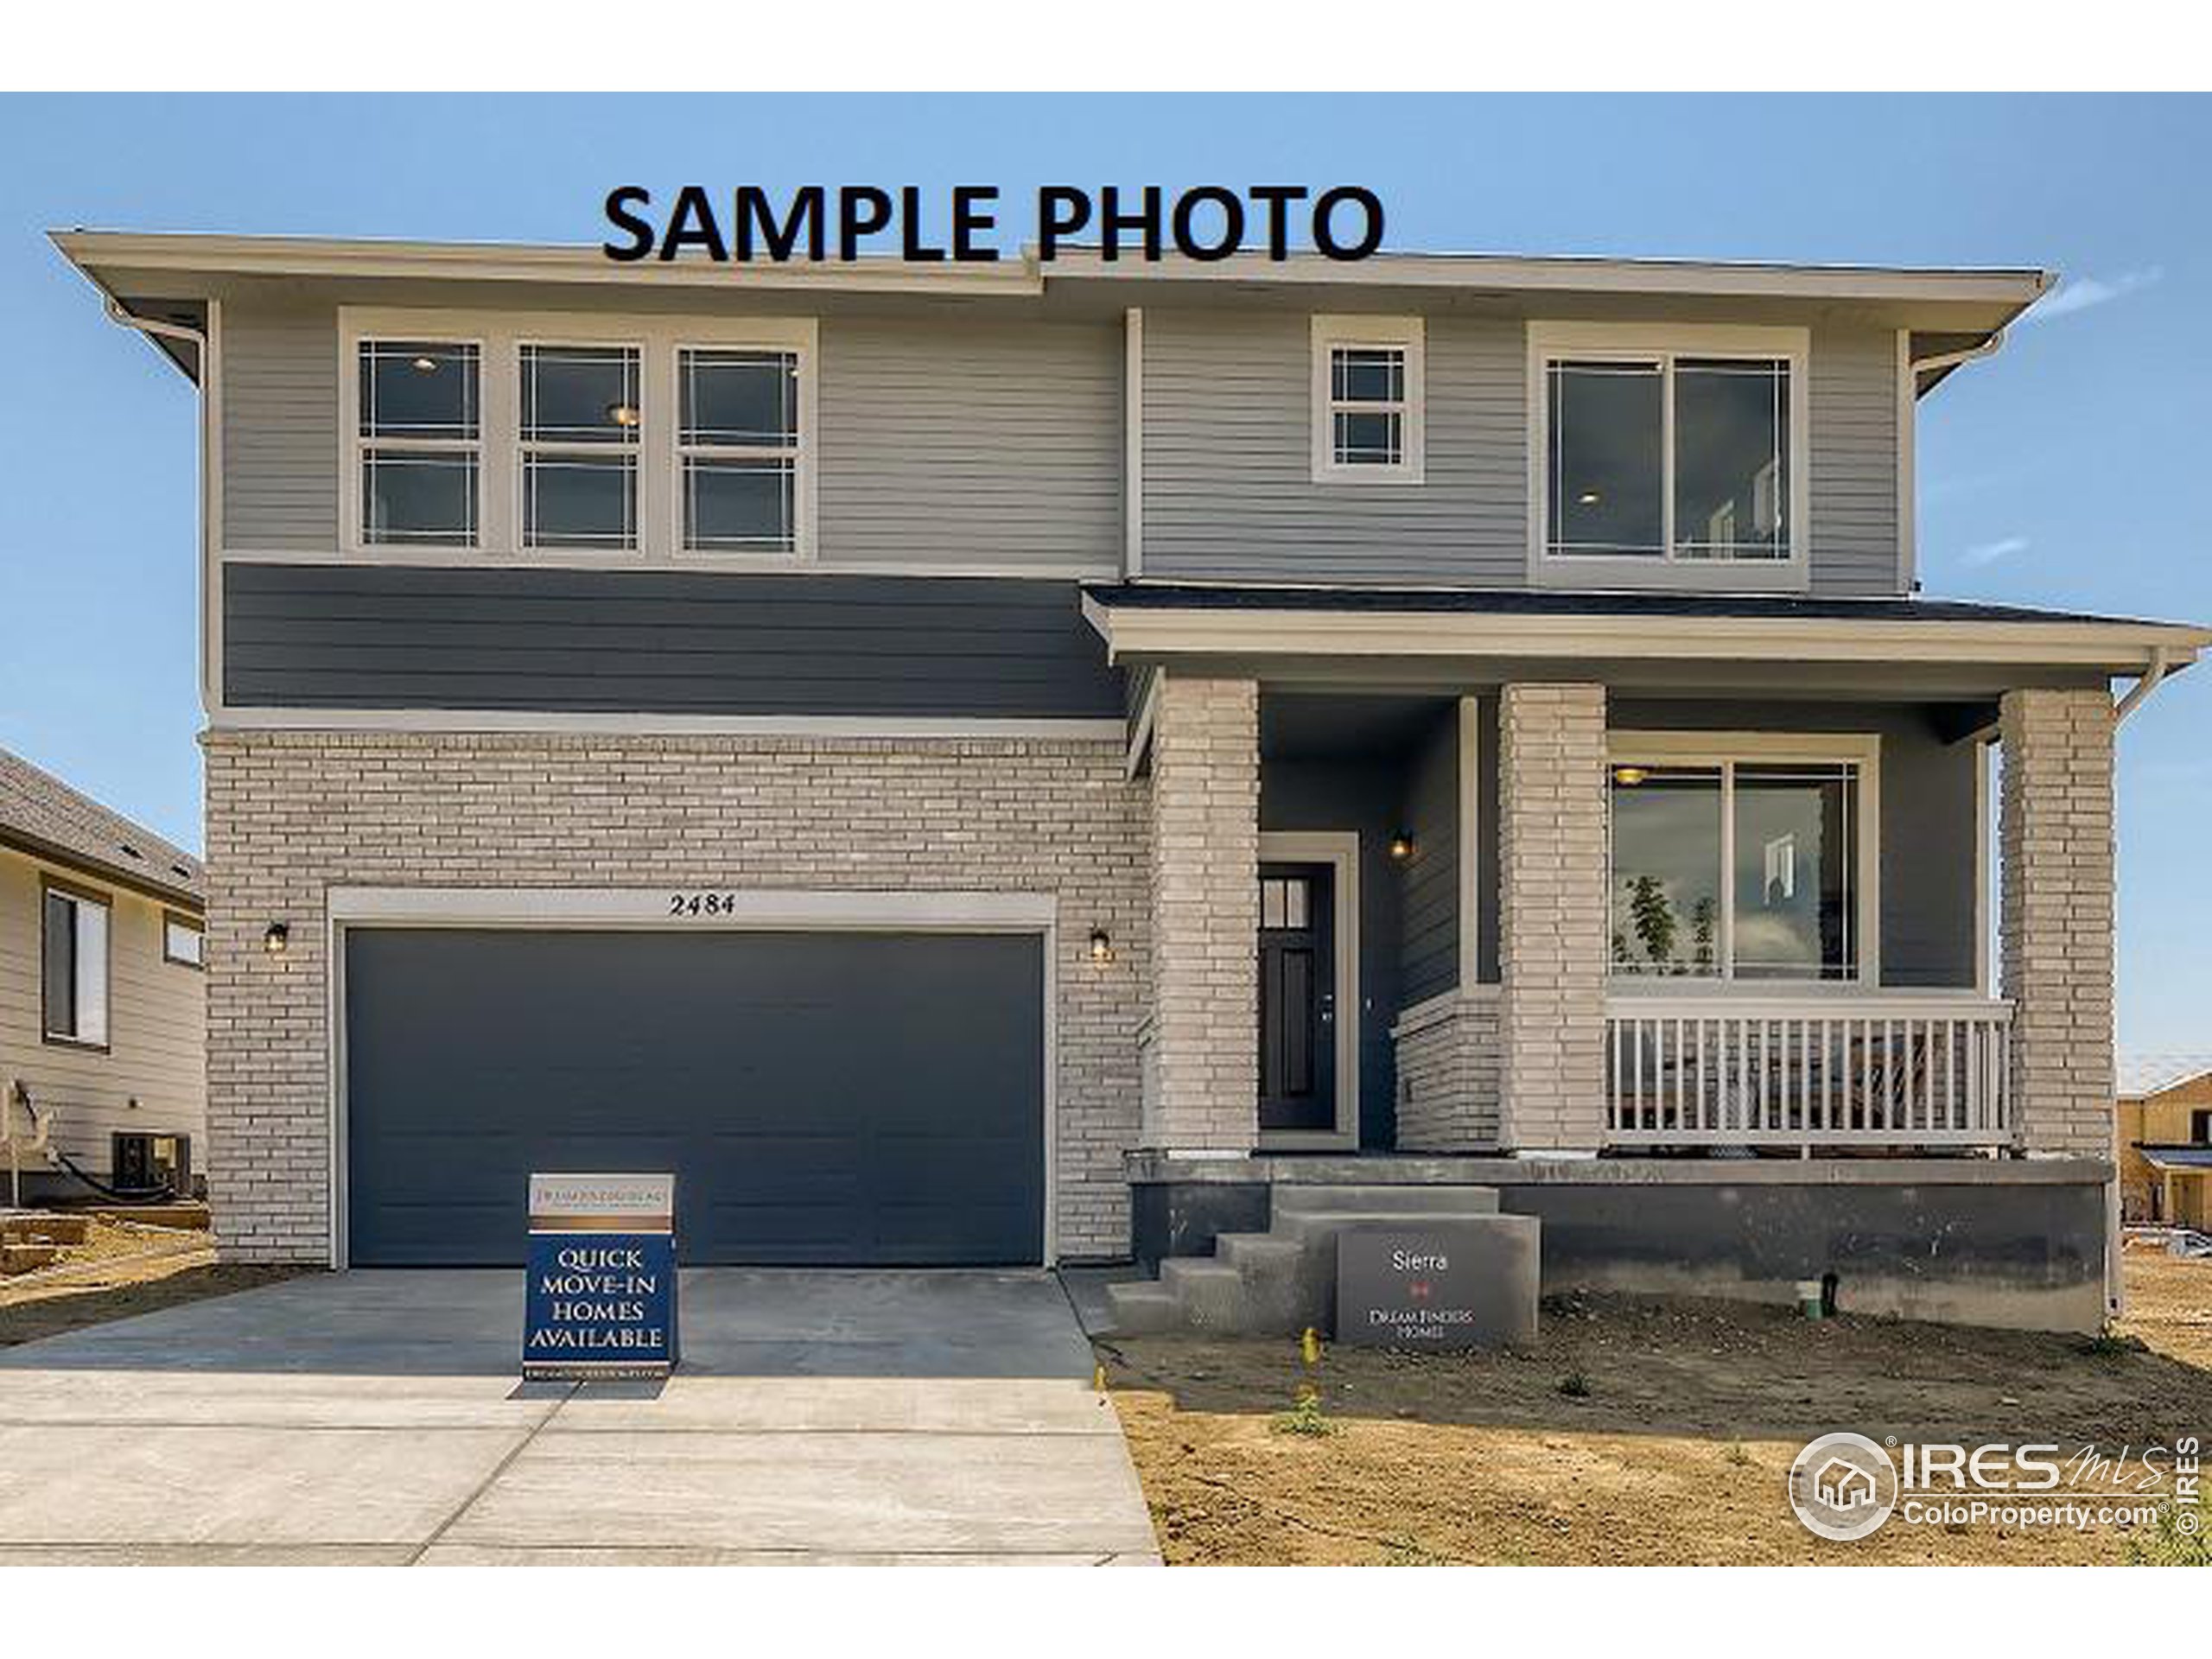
{"x":1638,"y":1431}
{"x":119,"y":1270}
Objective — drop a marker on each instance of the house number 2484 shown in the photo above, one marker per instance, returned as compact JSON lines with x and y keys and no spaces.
{"x":702,"y":904}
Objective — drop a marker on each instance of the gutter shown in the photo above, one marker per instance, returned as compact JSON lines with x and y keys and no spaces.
{"x":2153,"y":676}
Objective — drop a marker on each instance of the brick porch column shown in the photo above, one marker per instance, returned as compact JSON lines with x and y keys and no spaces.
{"x":1551,"y":917}
{"x":1202,"y":1062}
{"x":2055,"y":918}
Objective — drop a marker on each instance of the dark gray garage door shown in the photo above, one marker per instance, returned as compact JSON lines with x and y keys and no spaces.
{"x":822,"y":1098}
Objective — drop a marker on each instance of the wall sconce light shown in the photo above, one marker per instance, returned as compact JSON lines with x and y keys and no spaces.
{"x":277,"y":938}
{"x":1102,"y":946}
{"x":1401,"y":845}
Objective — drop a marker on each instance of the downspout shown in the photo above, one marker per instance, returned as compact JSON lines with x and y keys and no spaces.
{"x":1988,"y":348}
{"x":2153,"y":676}
{"x":119,"y":314}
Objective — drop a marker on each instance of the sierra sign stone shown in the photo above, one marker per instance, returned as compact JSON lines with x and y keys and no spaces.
{"x":1438,"y":1284}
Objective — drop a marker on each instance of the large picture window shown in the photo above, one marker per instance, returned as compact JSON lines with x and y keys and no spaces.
{"x":1664,"y":455}
{"x":1728,"y":869}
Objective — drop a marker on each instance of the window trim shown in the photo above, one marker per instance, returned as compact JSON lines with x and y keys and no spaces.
{"x":356,"y":444}
{"x":80,"y":895}
{"x":1725,"y":748}
{"x":637,"y":451}
{"x":1406,"y":333}
{"x":499,"y":337}
{"x":192,"y":924}
{"x":678,"y":452}
{"x":1641,"y":342}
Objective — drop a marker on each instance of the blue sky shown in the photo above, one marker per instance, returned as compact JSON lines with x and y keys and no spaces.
{"x":2054,"y":474}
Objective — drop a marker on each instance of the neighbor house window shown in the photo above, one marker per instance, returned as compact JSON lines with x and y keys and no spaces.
{"x":73,"y":952}
{"x":1729,"y":868}
{"x":1670,"y":456}
{"x":1367,"y":417}
{"x":420,"y":439}
{"x":183,"y":942}
{"x":738,"y":450}
{"x":580,"y":418}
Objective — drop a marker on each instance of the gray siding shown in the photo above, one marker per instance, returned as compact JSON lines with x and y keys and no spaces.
{"x":1229,"y":492}
{"x":958,"y":444}
{"x":1928,"y":821}
{"x":968,"y":443}
{"x":280,"y":430}
{"x":664,"y":642}
{"x":1854,"y":461}
{"x":1429,"y":955}
{"x":1228,"y":477}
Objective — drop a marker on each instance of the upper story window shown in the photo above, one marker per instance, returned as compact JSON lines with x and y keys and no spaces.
{"x":737,"y":435}
{"x":1680,"y":447}
{"x":581,"y":410}
{"x":579,"y":439}
{"x":421,"y":439}
{"x":1368,"y":399}
{"x":184,"y":942}
{"x":73,"y":968}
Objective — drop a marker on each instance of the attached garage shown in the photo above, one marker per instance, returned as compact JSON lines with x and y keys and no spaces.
{"x":825,"y":1097}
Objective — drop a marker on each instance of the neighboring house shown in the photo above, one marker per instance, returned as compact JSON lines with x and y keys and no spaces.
{"x":2165,"y":1141}
{"x":1018,"y":763}
{"x":102,"y":1000}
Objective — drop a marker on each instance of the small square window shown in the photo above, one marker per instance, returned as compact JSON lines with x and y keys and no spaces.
{"x":183,"y":943}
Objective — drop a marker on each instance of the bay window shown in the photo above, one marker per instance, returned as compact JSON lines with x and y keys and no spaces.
{"x":1661,"y":450}
{"x":1750,"y":865}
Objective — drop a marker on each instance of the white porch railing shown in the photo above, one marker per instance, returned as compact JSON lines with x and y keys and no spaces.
{"x":1900,"y":1069}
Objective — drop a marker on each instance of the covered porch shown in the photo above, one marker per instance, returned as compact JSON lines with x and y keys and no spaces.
{"x":1626,"y":876}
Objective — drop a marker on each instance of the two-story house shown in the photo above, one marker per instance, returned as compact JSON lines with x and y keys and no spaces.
{"x":1021,"y":763}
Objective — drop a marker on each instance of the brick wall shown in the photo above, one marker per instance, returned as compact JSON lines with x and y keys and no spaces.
{"x":291,"y":814}
{"x":1552,"y":862}
{"x":2056,"y":915}
{"x":1448,"y":1073}
{"x":1201,"y":1070}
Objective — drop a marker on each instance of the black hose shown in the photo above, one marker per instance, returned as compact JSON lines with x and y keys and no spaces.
{"x":165,"y":1193}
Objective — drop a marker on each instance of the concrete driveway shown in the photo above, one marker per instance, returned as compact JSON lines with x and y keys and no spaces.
{"x":817,"y":1416}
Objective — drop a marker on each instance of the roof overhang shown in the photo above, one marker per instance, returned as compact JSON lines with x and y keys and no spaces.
{"x":1261,"y":626}
{"x":95,"y":869}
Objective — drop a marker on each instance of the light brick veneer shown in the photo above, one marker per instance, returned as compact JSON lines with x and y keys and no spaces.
{"x":292,"y":814}
{"x":1552,"y":916}
{"x":1201,"y":1067}
{"x":1448,"y":1073}
{"x":2056,"y":915}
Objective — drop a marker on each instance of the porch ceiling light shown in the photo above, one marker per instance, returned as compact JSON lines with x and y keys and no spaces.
{"x":622,"y":413}
{"x":1401,"y":845}
{"x":425,"y":365}
{"x":1102,"y":946}
{"x":1629,"y":777}
{"x":277,"y":938}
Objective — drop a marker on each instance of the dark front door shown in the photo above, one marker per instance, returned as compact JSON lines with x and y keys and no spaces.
{"x":1298,"y":997}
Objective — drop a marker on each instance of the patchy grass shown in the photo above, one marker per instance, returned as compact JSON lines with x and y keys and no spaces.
{"x":1677,"y":1451}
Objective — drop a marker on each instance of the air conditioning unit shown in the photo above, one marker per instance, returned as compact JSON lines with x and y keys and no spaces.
{"x":142,"y":1162}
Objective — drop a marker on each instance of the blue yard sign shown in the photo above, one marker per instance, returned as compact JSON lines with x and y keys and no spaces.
{"x":601,"y":1297}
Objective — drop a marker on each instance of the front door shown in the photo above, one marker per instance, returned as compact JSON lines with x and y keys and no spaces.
{"x":1298,"y":998}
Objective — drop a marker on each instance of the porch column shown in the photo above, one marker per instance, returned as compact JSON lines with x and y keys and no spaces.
{"x":2055,"y":919}
{"x":1202,"y":1057}
{"x":1551,"y":917}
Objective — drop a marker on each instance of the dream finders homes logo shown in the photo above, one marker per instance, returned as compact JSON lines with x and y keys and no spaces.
{"x":818,"y":222}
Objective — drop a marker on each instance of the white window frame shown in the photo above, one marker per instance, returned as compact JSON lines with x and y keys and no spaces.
{"x":566,"y":449}
{"x":1407,"y":334}
{"x":1644,"y":343}
{"x":358,"y":443}
{"x":175,"y":922}
{"x":1726,"y":750}
{"x":498,"y":337}
{"x":683,"y":452}
{"x":81,"y":900}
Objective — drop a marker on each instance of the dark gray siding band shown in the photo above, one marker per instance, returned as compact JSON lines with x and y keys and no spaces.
{"x":659,"y":642}
{"x":1429,"y":959}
